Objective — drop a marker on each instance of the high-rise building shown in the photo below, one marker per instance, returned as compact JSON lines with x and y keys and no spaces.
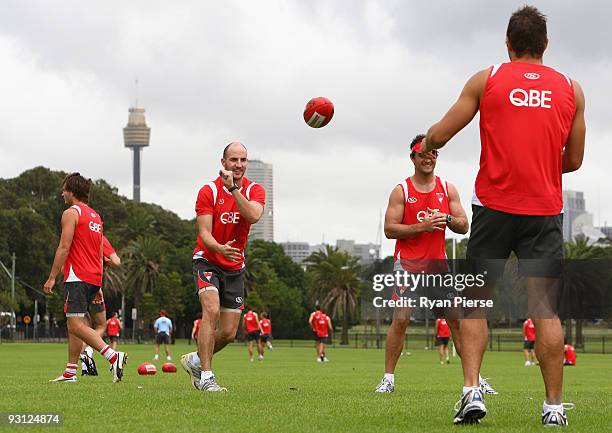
{"x":136,"y":135}
{"x":576,"y":220}
{"x":261,"y":172}
{"x":296,"y":251}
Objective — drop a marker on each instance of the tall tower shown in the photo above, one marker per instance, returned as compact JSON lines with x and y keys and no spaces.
{"x":261,"y":172}
{"x":136,"y":135}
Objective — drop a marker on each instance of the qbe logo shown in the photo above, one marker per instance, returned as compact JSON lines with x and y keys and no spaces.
{"x":95,"y":227}
{"x":230,"y":217}
{"x":422,"y":214}
{"x":531,"y":98}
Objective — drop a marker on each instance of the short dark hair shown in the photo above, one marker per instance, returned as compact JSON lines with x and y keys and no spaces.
{"x":162,"y":313}
{"x":264,"y":315}
{"x":527,"y":32}
{"x":416,"y":140}
{"x":78,"y":185}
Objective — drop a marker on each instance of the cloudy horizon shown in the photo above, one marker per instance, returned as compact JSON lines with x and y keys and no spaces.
{"x":214,"y":72}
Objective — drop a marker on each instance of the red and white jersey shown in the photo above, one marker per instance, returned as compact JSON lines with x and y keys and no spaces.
{"x":250,"y":322}
{"x":529,"y":331}
{"x":197,"y":323}
{"x":414,"y":254}
{"x":443,"y":330}
{"x":266,"y":326}
{"x":526,"y":115}
{"x":113,"y":326}
{"x":214,"y":199}
{"x":569,"y":354}
{"x":321,"y":326}
{"x":84,"y":262}
{"x":315,"y":315}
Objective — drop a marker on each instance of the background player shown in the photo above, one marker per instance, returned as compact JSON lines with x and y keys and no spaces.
{"x":225,"y":210}
{"x":79,"y":254}
{"x":532,"y":130}
{"x":529,"y":339}
{"x":266,"y":332}
{"x":311,"y":321}
{"x":113,"y":329}
{"x":442,"y":336}
{"x":569,"y":357}
{"x":195,"y":331}
{"x":163,"y":330}
{"x":252,"y":331}
{"x":324,"y":329}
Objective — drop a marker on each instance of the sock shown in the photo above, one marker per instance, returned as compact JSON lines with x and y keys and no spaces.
{"x":467,"y":389}
{"x":70,"y":370}
{"x":550,"y":407}
{"x":109,"y":354}
{"x":479,"y":378}
{"x":207,"y":374}
{"x":89,"y":351}
{"x":390,"y":377}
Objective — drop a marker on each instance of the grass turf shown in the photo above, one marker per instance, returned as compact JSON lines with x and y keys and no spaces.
{"x":289,"y":392}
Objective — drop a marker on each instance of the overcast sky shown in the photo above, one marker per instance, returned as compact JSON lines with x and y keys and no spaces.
{"x":211,"y":72}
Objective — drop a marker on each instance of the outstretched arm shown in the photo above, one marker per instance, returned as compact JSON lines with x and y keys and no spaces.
{"x":573,"y":152}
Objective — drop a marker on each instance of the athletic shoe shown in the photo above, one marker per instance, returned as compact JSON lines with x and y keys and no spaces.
{"x":385,"y":386}
{"x":441,"y":362}
{"x":527,"y":364}
{"x":210,"y":385}
{"x":552,"y":418}
{"x":470,"y":409}
{"x":260,"y":358}
{"x":168,"y":358}
{"x":194,"y":371}
{"x":486,"y":388}
{"x":116,"y":367}
{"x":319,"y":360}
{"x":88,"y":367}
{"x":325,"y":359}
{"x":156,"y":358}
{"x":447,"y":361}
{"x":63,"y":378}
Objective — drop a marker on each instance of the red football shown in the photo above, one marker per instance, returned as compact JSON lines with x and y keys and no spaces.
{"x":169,"y":367}
{"x":318,"y":112}
{"x":146,"y":368}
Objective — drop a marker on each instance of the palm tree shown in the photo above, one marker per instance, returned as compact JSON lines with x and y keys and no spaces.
{"x":335,"y":277}
{"x":143,"y":259}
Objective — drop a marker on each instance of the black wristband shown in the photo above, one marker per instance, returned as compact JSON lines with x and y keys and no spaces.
{"x":449,"y":218}
{"x":232,"y":188}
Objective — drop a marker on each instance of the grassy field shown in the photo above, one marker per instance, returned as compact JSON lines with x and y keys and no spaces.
{"x":289,"y":392}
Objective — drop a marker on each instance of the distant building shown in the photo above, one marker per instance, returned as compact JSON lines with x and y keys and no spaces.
{"x":576,"y":220}
{"x":606,"y":230}
{"x":261,"y":172}
{"x":297,"y":251}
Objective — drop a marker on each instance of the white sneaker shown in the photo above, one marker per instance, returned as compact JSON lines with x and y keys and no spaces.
{"x":527,"y":364}
{"x":470,"y":409}
{"x":193,"y":370}
{"x":63,"y":378}
{"x":385,"y":386}
{"x":552,"y":417}
{"x":325,"y":359}
{"x":210,"y":385}
{"x":260,"y":358}
{"x":168,"y":358}
{"x":116,"y":367}
{"x":319,"y":360}
{"x":486,"y":388}
{"x":156,"y":358}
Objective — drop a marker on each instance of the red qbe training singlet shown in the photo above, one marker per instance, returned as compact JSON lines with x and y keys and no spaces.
{"x":250,"y":322}
{"x":321,"y":327}
{"x":443,"y":328}
{"x":526,"y":115}
{"x":227,"y":225}
{"x":413,"y":254}
{"x":112,"y":327}
{"x":84,"y":262}
{"x":529,"y":330}
{"x":266,"y":326}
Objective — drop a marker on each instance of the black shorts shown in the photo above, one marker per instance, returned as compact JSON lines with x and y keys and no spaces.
{"x":95,"y":308}
{"x":537,"y":241}
{"x":321,"y":339}
{"x":229,"y":284}
{"x":253,"y":336}
{"x":442,"y":341}
{"x":79,"y":297}
{"x":113,"y":338}
{"x":265,"y":338}
{"x":529,"y":345}
{"x":162,"y":338}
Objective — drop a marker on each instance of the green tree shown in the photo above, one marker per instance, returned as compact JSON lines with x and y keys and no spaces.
{"x":142,"y":263}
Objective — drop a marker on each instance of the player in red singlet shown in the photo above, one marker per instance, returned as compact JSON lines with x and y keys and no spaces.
{"x":195,"y":331}
{"x":532,"y":130}
{"x":252,"y":331}
{"x":113,"y":329}
{"x":443,"y":334}
{"x":420,"y":209}
{"x":529,"y":339}
{"x":569,"y":354}
{"x":266,"y":333}
{"x":312,"y":320}
{"x":226,"y":208}
{"x":323,"y":328}
{"x":80,"y":255}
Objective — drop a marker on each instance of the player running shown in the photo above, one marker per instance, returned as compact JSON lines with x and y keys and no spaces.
{"x":532,"y":130}
{"x":252,"y":330}
{"x":442,"y":336}
{"x":113,"y":329}
{"x":225,"y":210}
{"x":529,"y":339}
{"x":420,"y":208}
{"x":195,"y":331}
{"x":311,"y":322}
{"x":266,"y":332}
{"x":79,"y":257}
{"x":323,"y":329}
{"x":163,"y":330}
